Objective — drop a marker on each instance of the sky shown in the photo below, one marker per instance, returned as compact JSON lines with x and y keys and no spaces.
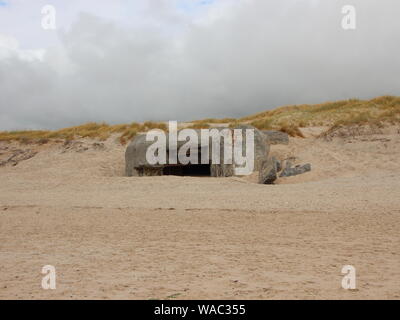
{"x":122,"y":61}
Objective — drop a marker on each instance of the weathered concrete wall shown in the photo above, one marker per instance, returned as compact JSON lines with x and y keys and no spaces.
{"x":137,"y":165}
{"x":276,"y":137}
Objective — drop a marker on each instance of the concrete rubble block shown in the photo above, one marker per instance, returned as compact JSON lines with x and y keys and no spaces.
{"x":294,"y":171}
{"x":269,"y":171}
{"x":276,"y":137}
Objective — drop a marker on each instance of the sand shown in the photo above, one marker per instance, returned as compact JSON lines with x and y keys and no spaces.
{"x":113,"y":237}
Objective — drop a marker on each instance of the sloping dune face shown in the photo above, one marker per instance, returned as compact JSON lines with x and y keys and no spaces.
{"x":109,"y":236}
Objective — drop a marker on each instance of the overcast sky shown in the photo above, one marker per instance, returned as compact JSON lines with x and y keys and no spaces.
{"x":121,"y":61}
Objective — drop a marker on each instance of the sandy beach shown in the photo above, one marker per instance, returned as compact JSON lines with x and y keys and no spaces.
{"x":170,"y":237}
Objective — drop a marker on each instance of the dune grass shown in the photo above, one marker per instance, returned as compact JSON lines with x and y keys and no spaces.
{"x":200,"y":125}
{"x":386,"y":108}
{"x":213,"y":121}
{"x":289,"y":119}
{"x":377,"y":111}
{"x":100,"y":131}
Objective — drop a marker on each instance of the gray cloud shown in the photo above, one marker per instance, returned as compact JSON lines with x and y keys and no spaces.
{"x":256,"y":56}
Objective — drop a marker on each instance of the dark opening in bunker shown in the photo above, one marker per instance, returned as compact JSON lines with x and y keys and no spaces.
{"x":194,"y":170}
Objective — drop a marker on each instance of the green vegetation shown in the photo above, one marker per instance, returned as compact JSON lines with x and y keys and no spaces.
{"x":289,"y":119}
{"x":385,"y":109}
{"x":101,"y":131}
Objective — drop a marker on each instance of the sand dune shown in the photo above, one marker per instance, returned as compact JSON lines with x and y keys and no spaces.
{"x":110,"y":236}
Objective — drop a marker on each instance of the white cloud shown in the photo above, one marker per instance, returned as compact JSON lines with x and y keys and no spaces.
{"x":157,"y":63}
{"x":9,"y":47}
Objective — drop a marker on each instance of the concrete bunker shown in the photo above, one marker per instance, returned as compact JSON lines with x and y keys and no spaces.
{"x":136,"y":163}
